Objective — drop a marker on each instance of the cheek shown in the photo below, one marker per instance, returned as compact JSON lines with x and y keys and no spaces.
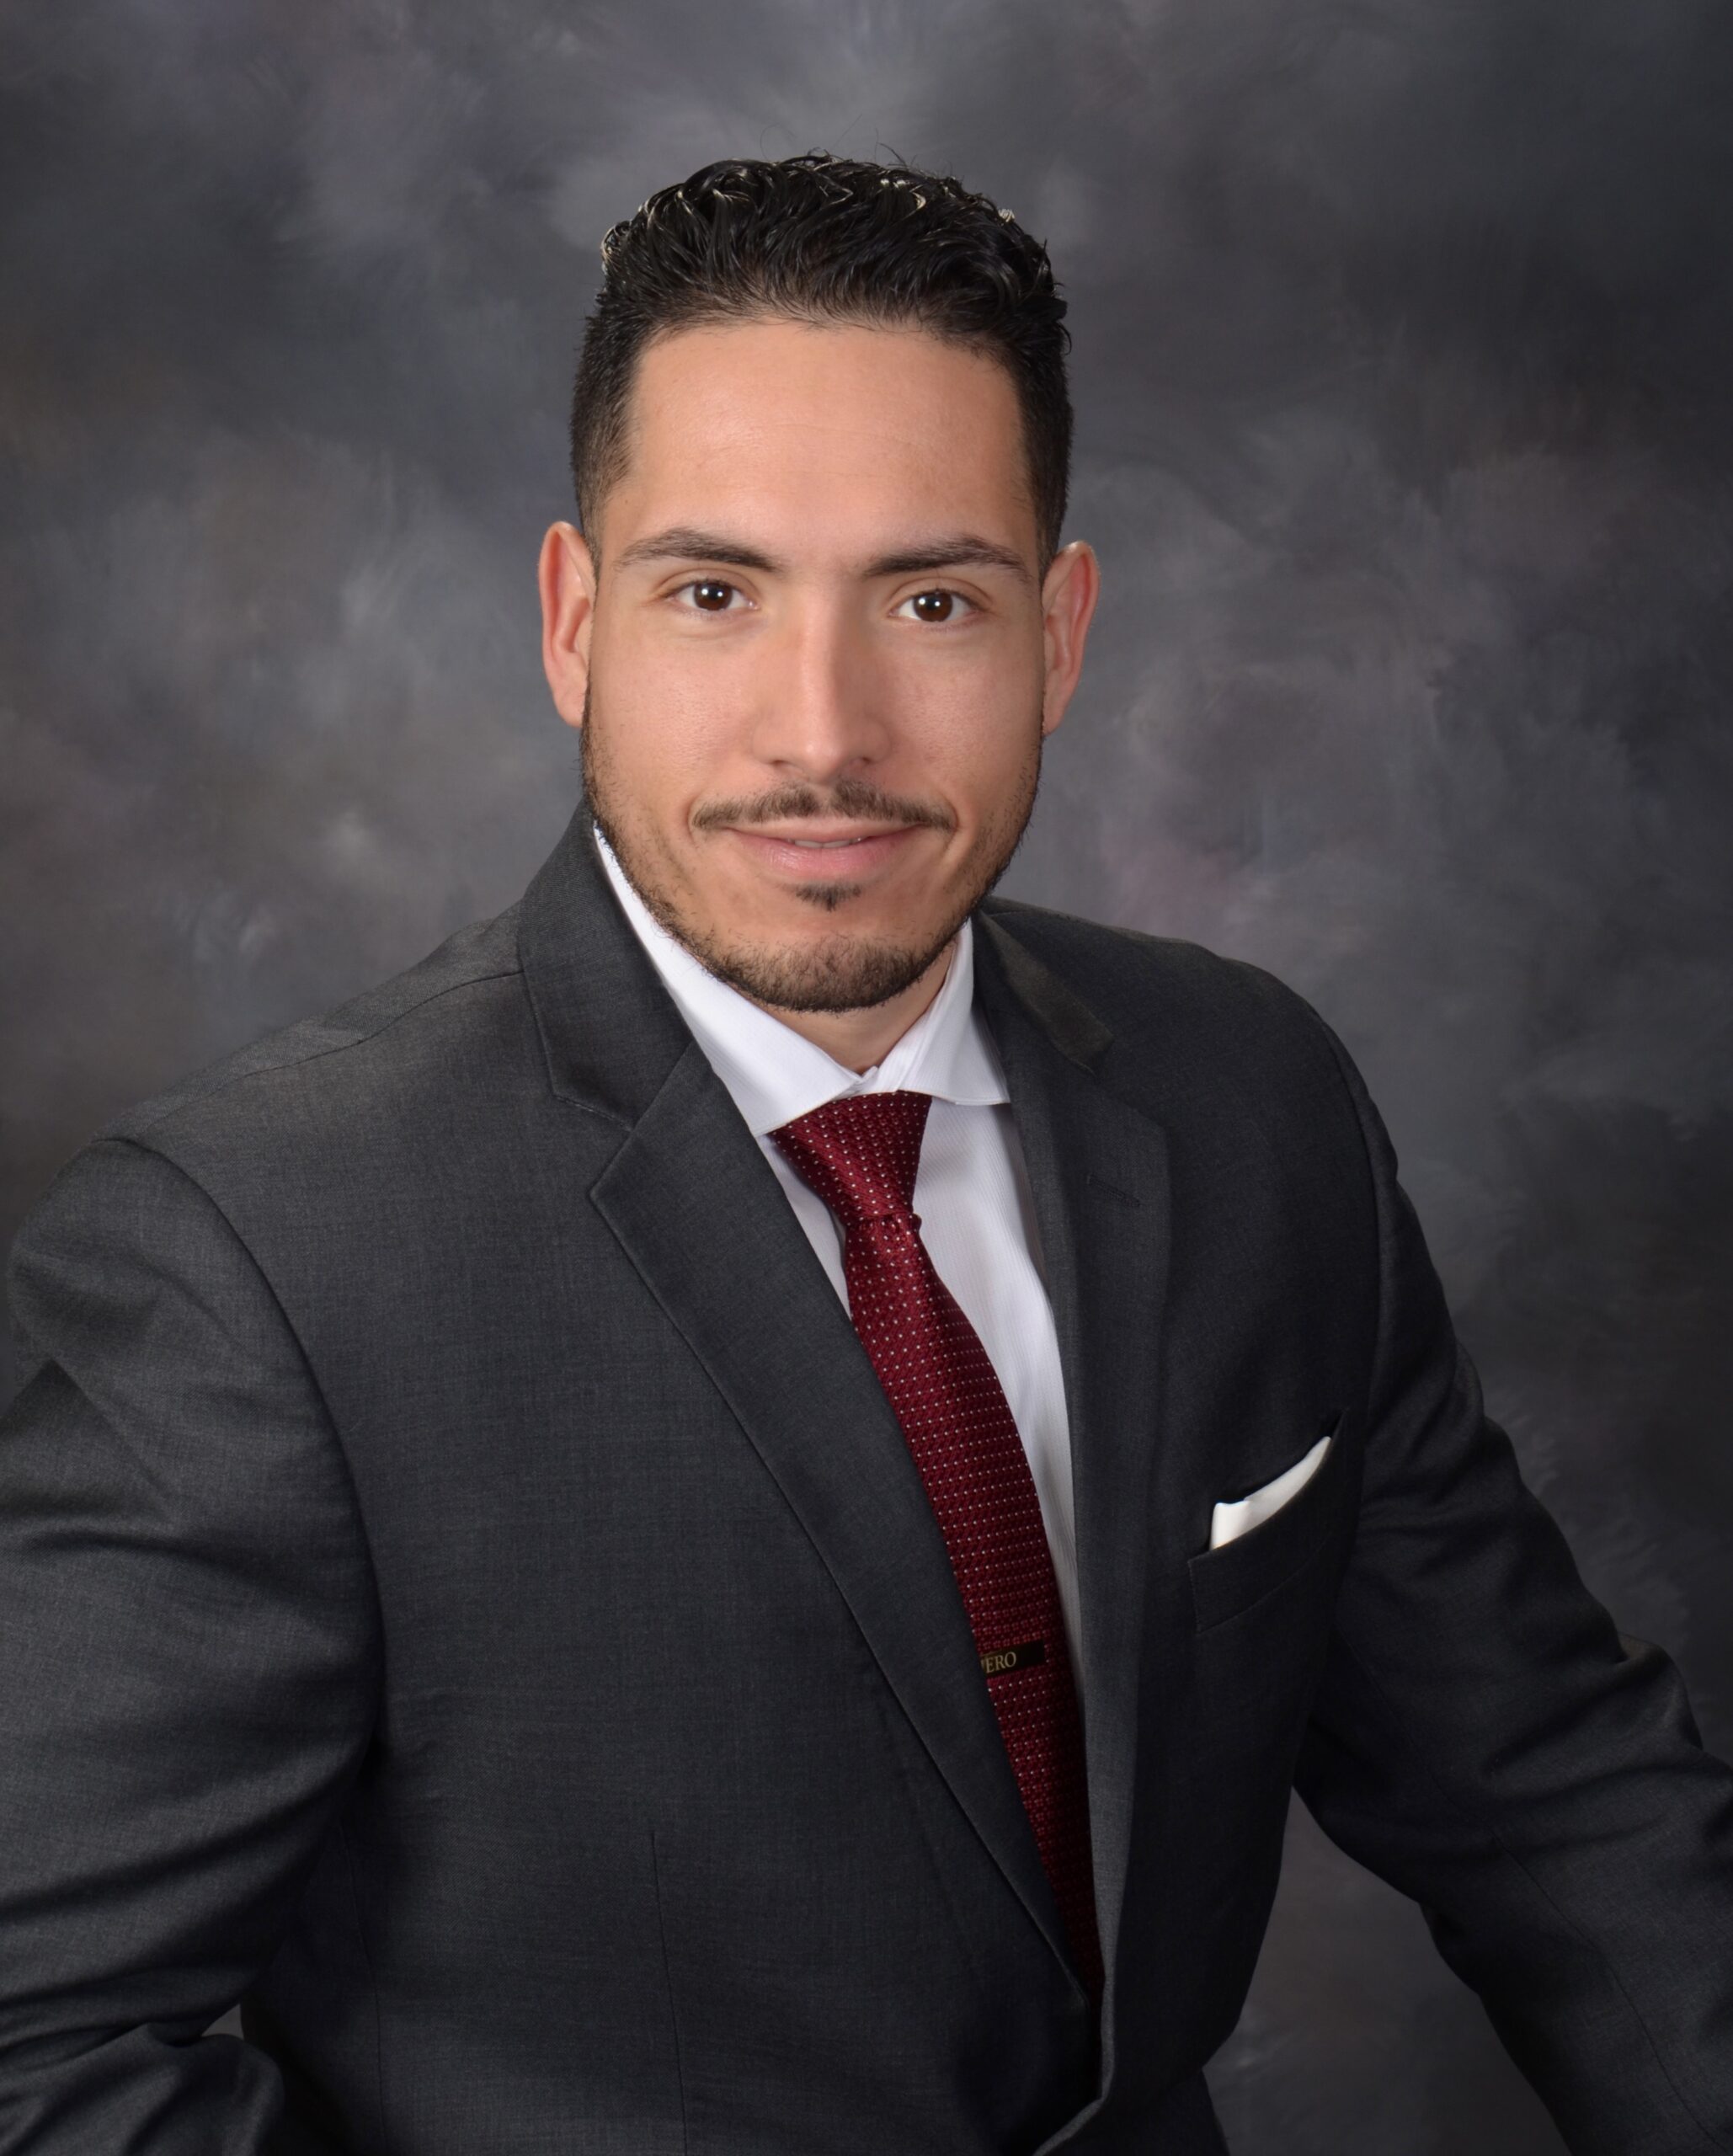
{"x":978,"y":736}
{"x":974,"y":694}
{"x":664,"y":719}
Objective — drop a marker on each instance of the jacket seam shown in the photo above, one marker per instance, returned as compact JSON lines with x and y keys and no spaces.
{"x":313,"y":1055}
{"x":311,"y":1376}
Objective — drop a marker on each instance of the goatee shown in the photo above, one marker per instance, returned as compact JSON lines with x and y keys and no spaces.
{"x":842,"y":972}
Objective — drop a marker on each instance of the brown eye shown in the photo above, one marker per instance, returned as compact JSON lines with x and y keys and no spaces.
{"x":711,"y":594}
{"x":937,"y":606}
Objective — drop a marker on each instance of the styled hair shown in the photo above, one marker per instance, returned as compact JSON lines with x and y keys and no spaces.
{"x":821,"y":238}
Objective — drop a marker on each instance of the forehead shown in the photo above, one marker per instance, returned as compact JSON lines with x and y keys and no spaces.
{"x":838,"y":431}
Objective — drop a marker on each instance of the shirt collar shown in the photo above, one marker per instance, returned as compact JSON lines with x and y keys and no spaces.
{"x":775,"y":1074}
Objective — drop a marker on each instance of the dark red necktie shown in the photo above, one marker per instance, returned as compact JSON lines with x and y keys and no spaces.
{"x":860,"y":1154}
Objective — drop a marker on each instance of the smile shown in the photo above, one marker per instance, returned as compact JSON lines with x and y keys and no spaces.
{"x":788,"y":856}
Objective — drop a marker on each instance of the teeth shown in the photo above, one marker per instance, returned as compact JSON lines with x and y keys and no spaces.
{"x":825,"y":842}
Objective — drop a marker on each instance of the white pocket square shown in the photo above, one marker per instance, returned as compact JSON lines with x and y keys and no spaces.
{"x":1243,"y":1513}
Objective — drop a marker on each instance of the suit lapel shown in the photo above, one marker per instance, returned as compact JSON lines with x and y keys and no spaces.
{"x":1098,"y":1175}
{"x":696,"y":1208}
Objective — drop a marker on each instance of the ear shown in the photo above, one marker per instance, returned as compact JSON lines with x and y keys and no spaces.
{"x":566,"y":575}
{"x":1069,"y":593}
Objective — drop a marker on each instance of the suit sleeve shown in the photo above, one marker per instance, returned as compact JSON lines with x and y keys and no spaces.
{"x":189,"y":1657}
{"x":1486,"y":1740}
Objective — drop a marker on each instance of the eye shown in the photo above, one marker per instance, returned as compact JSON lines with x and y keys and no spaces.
{"x":938,"y":606}
{"x":710,"y":595}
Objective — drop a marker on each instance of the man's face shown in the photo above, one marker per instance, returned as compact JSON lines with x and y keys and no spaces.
{"x":815,"y":673}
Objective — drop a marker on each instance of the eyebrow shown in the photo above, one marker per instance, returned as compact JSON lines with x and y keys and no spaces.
{"x":956,"y":550}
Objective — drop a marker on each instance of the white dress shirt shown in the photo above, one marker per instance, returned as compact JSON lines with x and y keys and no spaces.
{"x":972,"y":1189}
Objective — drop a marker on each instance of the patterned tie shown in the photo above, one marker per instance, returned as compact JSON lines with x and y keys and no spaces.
{"x":860,"y":1154}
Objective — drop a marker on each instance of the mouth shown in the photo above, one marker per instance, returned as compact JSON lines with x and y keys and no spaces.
{"x":826,"y":850}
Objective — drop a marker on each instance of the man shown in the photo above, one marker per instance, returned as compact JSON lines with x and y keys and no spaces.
{"x":721,"y":1519}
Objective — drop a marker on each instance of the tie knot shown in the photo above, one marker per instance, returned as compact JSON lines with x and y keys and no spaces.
{"x":860,"y":1153}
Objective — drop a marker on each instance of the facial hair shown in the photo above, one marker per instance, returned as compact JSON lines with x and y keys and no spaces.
{"x":843,"y":972}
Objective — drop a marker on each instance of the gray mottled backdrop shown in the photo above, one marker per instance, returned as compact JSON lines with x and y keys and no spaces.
{"x":1404,"y":366}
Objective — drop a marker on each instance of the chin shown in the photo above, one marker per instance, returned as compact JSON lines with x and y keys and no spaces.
{"x":850,"y":971}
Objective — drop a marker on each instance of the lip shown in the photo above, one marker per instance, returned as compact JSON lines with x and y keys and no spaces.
{"x":861,"y":856}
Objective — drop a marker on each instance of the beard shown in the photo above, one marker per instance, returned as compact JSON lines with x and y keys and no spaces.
{"x":843,"y":972}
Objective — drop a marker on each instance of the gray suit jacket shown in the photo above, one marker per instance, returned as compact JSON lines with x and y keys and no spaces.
{"x":464,"y":1594}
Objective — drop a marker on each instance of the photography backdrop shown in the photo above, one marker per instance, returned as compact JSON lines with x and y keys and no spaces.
{"x":1403,"y":364}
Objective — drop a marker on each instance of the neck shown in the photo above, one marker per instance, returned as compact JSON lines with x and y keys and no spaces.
{"x":859,"y":1039}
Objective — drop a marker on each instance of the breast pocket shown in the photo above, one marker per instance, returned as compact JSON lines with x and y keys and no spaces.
{"x":1226,"y":1582}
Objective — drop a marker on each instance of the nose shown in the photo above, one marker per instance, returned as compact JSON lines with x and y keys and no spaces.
{"x":822,"y":709}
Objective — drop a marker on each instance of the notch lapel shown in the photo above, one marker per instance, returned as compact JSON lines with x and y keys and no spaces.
{"x":1098,"y":1174}
{"x":697,"y":1209}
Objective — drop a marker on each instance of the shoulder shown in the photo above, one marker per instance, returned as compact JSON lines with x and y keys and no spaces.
{"x":397,"y":1044}
{"x":1253,"y":1090}
{"x":1162,"y":993}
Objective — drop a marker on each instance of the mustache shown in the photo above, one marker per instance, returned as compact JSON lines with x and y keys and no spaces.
{"x":855,"y":798}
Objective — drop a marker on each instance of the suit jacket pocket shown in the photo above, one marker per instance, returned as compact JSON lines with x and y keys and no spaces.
{"x":1230,"y":1579}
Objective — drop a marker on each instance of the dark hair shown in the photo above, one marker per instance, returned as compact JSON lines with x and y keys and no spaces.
{"x":819,"y":238}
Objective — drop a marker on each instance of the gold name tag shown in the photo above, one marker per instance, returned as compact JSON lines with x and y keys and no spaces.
{"x":1002,"y":1660}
